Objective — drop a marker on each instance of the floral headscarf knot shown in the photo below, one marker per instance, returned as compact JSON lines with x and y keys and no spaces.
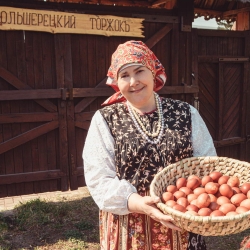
{"x":133,"y":52}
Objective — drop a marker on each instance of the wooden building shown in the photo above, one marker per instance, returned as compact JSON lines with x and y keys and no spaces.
{"x":52,"y":80}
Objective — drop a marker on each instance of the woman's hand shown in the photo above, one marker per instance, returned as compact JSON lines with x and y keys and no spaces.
{"x":146,"y":205}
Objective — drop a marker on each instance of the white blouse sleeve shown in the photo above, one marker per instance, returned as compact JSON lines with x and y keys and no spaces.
{"x":201,"y":139}
{"x":109,"y":193}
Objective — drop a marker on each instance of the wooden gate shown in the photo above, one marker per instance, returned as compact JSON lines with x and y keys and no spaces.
{"x":51,"y":85}
{"x":33,"y":149}
{"x":221,"y":69}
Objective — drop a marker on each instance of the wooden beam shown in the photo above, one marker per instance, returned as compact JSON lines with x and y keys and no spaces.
{"x":170,"y":4}
{"x":27,"y":136}
{"x":230,"y":141}
{"x":30,"y":117}
{"x":159,"y":2}
{"x":158,"y":36}
{"x":157,"y":18}
{"x":217,"y":59}
{"x":208,"y":12}
{"x":17,"y":83}
{"x":31,"y":176}
{"x":85,"y":116}
{"x":235,"y":12}
{"x":92,"y":92}
{"x":220,"y":33}
{"x":30,"y":94}
{"x":88,"y":100}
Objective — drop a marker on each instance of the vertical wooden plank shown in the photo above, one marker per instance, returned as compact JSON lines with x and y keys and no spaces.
{"x":49,"y":83}
{"x":225,"y":46}
{"x":187,"y":97}
{"x":11,"y":66}
{"x":220,"y":109}
{"x":100,"y":58}
{"x":235,"y":46}
{"x":182,"y":62}
{"x":220,"y":46}
{"x":39,"y":84}
{"x":3,"y":86}
{"x":77,"y":67}
{"x":70,"y":114}
{"x":195,"y":72}
{"x":247,"y":93}
{"x":83,"y":64}
{"x":62,"y":154}
{"x":166,"y":60}
{"x":93,"y":65}
{"x":35,"y":145}
{"x":202,"y":45}
{"x":175,"y":56}
{"x":30,"y":80}
{"x":189,"y":59}
{"x":79,"y":75}
{"x":23,"y":107}
{"x":175,"y":69}
{"x":230,"y":46}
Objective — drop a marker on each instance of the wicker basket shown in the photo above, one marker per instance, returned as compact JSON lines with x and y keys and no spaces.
{"x":201,"y":166}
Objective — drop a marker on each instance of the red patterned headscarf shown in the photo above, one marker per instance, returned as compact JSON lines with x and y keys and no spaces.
{"x":133,"y":52}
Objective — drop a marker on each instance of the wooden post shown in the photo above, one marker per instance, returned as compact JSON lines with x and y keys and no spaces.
{"x":243,"y":21}
{"x":63,"y":154}
{"x":186,"y":14}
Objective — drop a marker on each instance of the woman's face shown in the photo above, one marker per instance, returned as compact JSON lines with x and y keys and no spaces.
{"x":136,"y":83}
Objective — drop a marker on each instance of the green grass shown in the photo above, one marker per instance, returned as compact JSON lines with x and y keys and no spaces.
{"x":84,"y":225}
{"x":66,"y":223}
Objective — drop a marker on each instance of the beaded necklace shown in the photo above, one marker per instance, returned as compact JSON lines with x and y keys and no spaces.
{"x":141,"y":128}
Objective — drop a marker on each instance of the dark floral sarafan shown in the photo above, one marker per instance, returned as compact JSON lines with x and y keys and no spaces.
{"x":138,"y":161}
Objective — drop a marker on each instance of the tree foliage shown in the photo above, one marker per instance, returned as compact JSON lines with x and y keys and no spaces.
{"x":224,"y":25}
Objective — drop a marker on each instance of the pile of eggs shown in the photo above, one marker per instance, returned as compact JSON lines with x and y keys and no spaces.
{"x":212,"y":195}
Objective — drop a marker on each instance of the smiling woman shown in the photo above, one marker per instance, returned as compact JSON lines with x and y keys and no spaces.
{"x":136,"y":84}
{"x":131,"y":139}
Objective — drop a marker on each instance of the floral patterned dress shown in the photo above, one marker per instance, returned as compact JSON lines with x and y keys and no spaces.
{"x":137,"y":161}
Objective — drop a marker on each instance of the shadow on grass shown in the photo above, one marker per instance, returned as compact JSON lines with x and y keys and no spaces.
{"x":39,"y":224}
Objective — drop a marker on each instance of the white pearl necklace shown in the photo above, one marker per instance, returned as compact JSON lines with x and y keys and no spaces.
{"x":159,"y":120}
{"x":139,"y":125}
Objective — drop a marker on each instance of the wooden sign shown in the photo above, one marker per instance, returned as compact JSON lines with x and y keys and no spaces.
{"x":62,"y":22}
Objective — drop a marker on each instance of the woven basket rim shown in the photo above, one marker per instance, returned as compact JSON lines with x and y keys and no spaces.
{"x":203,"y":219}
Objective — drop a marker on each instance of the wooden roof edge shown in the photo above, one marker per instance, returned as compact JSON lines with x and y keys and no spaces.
{"x":167,"y":4}
{"x":229,"y":15}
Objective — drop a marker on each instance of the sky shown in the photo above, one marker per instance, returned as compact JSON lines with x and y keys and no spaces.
{"x":201,"y":23}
